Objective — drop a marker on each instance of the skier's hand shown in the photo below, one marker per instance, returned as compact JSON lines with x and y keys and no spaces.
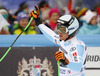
{"x":35,"y":14}
{"x":60,"y":57}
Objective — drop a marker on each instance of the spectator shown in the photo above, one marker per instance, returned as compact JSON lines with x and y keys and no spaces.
{"x":8,"y":17}
{"x":89,"y":26}
{"x":98,"y":20}
{"x":4,"y":13}
{"x":45,"y":15}
{"x":43,"y":6}
{"x":4,"y":24}
{"x":73,"y":13}
{"x":23,"y":8}
{"x":32,"y":25}
{"x":22,"y":19}
{"x":54,"y":15}
{"x":98,"y":10}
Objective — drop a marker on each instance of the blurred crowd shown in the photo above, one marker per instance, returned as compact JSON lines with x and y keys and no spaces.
{"x":89,"y":19}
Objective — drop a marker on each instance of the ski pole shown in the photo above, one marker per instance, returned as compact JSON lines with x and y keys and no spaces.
{"x":15,"y":40}
{"x":58,"y":63}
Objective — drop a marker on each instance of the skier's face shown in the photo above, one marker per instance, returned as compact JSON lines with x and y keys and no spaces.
{"x":63,"y":36}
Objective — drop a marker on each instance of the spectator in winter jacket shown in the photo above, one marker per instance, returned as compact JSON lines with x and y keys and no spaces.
{"x":43,"y":6}
{"x":4,"y":25}
{"x":54,"y":15}
{"x":23,"y":20}
{"x":89,"y":26}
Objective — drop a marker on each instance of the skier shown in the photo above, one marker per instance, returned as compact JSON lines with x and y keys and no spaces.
{"x":72,"y":52}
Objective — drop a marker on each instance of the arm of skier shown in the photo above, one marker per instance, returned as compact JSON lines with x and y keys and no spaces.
{"x":51,"y":35}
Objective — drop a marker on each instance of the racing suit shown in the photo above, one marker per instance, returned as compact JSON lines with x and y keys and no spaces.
{"x":73,"y":49}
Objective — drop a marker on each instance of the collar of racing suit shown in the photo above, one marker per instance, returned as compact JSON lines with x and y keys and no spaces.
{"x":72,"y":40}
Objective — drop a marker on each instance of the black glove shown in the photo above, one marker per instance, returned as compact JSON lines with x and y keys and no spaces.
{"x":35,"y":14}
{"x":60,"y":57}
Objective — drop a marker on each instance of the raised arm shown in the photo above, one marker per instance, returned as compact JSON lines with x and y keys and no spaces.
{"x":51,"y":35}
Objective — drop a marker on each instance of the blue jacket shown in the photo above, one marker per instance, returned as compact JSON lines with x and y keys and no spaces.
{"x":87,"y":29}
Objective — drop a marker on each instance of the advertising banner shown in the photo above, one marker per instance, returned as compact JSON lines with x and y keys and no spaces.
{"x":29,"y":61}
{"x":93,"y":58}
{"x":93,"y":61}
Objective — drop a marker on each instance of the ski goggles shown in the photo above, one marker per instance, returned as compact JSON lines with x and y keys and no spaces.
{"x":61,"y":28}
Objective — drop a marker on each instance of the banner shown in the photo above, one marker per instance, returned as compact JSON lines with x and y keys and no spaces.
{"x":29,"y":61}
{"x":93,"y":58}
{"x":93,"y":61}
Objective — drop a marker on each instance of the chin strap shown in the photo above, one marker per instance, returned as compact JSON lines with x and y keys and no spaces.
{"x":71,"y":35}
{"x":67,"y":38}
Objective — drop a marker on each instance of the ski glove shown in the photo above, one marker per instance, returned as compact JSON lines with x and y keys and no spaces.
{"x":60,"y":57}
{"x":35,"y":14}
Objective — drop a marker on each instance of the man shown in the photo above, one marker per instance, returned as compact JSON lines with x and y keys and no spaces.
{"x":72,"y":52}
